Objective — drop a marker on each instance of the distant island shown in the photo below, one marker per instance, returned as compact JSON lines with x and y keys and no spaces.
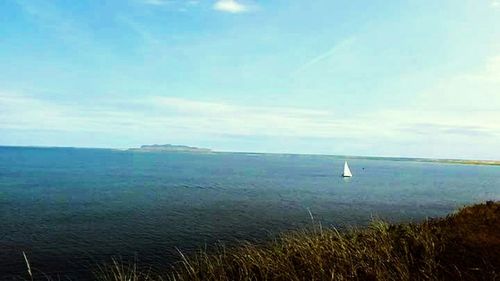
{"x":170,"y":148}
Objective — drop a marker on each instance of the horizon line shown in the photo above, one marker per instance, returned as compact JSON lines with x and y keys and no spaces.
{"x":369,"y":157}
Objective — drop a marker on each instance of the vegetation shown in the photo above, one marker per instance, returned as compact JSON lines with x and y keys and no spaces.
{"x":462,"y":246}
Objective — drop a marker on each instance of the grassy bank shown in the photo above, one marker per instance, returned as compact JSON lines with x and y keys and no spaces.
{"x":462,"y":246}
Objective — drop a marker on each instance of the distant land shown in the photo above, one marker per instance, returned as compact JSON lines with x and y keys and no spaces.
{"x":185,"y":148}
{"x":170,"y":148}
{"x":432,"y":160}
{"x":467,"y":162}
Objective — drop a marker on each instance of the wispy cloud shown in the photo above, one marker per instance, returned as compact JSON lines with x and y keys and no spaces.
{"x":428,"y":129}
{"x":230,"y":6}
{"x":160,"y":118}
{"x":469,"y":91}
{"x":158,"y":113}
{"x":457,"y":117}
{"x":156,"y":2}
{"x":65,"y":26}
{"x":168,"y":2}
{"x":174,"y":5}
{"x":50,"y":17}
{"x":325,"y":55}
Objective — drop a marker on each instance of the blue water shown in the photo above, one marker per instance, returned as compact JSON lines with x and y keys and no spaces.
{"x":69,"y":209}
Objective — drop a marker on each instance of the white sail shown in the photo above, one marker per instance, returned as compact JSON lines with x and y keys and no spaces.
{"x":347,"y":171}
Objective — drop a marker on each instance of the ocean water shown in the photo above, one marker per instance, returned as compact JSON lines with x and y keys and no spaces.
{"x":70,"y":209}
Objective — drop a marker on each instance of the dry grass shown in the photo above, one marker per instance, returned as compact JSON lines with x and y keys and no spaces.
{"x":118,"y":270}
{"x":380,"y":252}
{"x":462,"y":246}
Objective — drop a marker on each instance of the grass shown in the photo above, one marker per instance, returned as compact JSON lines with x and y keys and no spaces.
{"x":462,"y":246}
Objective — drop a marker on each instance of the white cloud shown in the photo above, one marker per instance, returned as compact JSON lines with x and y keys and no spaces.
{"x":455,"y":118}
{"x":495,"y":4}
{"x":230,"y":6}
{"x":156,"y":118}
{"x":155,"y":114}
{"x":477,"y":90}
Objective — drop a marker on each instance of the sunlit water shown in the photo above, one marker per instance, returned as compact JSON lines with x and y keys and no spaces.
{"x":70,"y":209}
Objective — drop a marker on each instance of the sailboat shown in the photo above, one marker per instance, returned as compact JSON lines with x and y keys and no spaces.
{"x":347,"y":172}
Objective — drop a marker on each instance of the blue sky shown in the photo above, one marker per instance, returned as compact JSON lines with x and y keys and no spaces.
{"x":385,"y":78}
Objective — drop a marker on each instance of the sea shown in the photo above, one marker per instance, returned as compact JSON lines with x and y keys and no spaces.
{"x":70,"y":210}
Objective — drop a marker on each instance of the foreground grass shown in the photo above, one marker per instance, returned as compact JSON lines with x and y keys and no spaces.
{"x":462,"y":246}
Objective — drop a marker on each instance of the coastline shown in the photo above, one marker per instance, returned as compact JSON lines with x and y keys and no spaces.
{"x":196,"y":150}
{"x":467,"y":162}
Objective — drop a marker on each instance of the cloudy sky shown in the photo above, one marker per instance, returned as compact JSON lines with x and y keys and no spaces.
{"x":384,"y":78}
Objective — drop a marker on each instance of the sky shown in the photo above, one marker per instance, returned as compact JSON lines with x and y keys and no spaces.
{"x":374,"y":78}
